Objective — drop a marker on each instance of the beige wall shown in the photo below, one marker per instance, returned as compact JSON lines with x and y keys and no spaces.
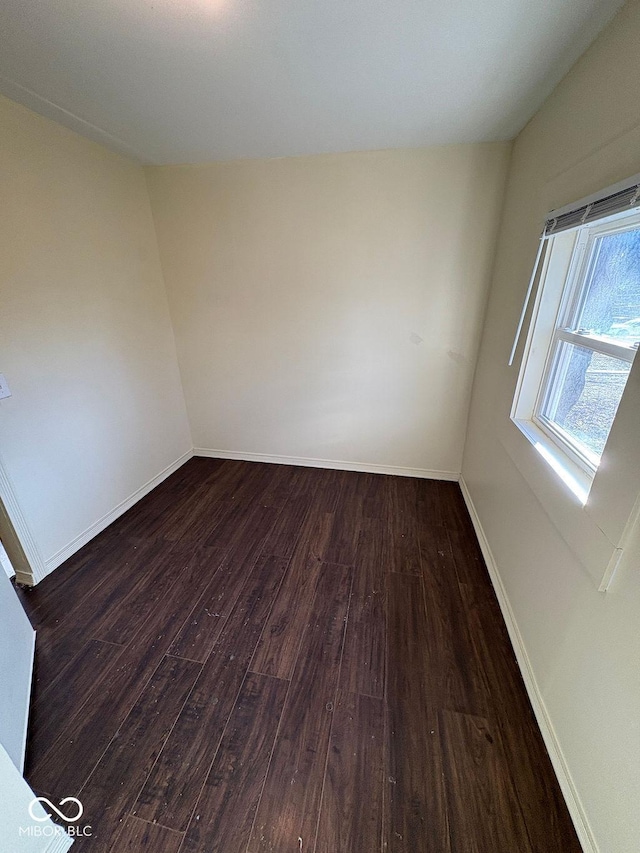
{"x":85,"y":337}
{"x":583,"y":645}
{"x":329,"y":307}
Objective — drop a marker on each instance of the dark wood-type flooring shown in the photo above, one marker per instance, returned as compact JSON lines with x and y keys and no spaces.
{"x":270,"y":658}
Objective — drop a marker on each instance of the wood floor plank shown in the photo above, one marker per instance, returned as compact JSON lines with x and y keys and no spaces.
{"x":504,"y":687}
{"x":119,"y":623}
{"x":470,"y":565}
{"x":218,"y":516}
{"x":115,"y":610}
{"x":171,"y":791}
{"x":49,"y":600}
{"x":200,"y":632}
{"x":287,"y":816}
{"x":548,"y":824}
{"x":415,"y":806}
{"x":401,"y":516}
{"x":373,"y":486}
{"x":485,"y":815}
{"x":406,"y":637}
{"x":351,"y":811}
{"x":206,"y":514}
{"x":60,"y":642}
{"x":455,"y":676}
{"x":278,"y":647}
{"x":138,"y":836}
{"x":241,"y":524}
{"x":324,"y":485}
{"x":162,"y":505}
{"x":343,"y":542}
{"x":199,"y":512}
{"x":123,"y":554}
{"x":221,"y":508}
{"x":226,"y":807}
{"x":111,"y":788}
{"x":282,"y":486}
{"x":228,"y":478}
{"x":363,"y":661}
{"x":287,"y":530}
{"x":111,"y":698}
{"x":52,"y":708}
{"x":198,"y":469}
{"x":434,"y":540}
{"x":243,"y":482}
{"x":430,"y":510}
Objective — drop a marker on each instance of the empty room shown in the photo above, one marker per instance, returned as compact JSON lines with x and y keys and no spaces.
{"x":319,"y":444}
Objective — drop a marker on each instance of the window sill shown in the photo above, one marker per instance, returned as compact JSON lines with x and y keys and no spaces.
{"x":572,"y":475}
{"x":561,"y":491}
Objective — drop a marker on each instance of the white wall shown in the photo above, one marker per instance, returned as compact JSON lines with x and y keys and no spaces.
{"x":14,"y":817}
{"x":86,"y":341}
{"x":329,"y":307}
{"x":17,"y":642}
{"x":583,"y":645}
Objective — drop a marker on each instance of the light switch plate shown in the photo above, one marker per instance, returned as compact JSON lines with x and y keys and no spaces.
{"x":4,"y":387}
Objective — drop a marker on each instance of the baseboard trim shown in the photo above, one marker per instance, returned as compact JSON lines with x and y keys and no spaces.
{"x":97,"y":527}
{"x":572,"y":799}
{"x":334,"y":464}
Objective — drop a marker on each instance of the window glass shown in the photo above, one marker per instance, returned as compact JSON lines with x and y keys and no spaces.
{"x":583,"y":397}
{"x":581,"y":348}
{"x":611,"y":303}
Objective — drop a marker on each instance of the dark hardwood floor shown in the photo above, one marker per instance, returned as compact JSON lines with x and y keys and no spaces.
{"x":269,"y":658}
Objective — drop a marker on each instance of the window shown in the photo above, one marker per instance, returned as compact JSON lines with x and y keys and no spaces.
{"x":584,"y":337}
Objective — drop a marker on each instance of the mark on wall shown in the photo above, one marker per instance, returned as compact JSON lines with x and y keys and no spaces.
{"x":457,"y":357}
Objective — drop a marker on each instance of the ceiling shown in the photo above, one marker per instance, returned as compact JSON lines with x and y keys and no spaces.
{"x":184,"y":81}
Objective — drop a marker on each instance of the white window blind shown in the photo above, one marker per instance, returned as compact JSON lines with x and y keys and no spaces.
{"x":582,"y":213}
{"x":622,"y":197}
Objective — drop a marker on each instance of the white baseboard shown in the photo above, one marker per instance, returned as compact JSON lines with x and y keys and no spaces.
{"x":97,"y":527}
{"x":335,"y":464}
{"x":572,"y":799}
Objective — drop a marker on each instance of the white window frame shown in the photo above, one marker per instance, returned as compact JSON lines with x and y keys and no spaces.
{"x":564,"y":278}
